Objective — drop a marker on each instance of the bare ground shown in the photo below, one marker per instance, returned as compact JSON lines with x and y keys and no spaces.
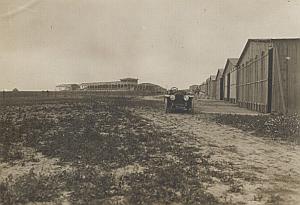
{"x":118,"y":153}
{"x":246,"y":169}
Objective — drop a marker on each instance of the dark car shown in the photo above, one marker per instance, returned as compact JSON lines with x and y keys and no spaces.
{"x":178,"y":100}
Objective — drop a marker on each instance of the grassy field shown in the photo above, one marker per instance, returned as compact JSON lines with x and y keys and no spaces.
{"x":105,"y":153}
{"x":99,"y":150}
{"x":46,"y":97}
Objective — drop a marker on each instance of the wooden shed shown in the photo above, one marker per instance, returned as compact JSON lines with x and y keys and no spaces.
{"x":212,"y":87}
{"x":219,"y":85}
{"x":207,"y":86}
{"x":230,"y":76}
{"x":194,"y":88}
{"x":268,"y":75}
{"x":203,"y":88}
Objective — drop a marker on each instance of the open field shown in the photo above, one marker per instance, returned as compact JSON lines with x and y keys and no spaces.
{"x":126,"y":150}
{"x":46,"y":97}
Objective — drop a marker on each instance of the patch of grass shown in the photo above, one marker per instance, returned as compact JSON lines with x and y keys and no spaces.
{"x":274,"y":126}
{"x":86,"y":184}
{"x":30,"y":187}
{"x":97,"y":137}
{"x":274,"y":199}
{"x":258,"y":197}
{"x":236,"y":187}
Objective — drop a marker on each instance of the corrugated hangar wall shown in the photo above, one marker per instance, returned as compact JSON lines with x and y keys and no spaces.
{"x":268,"y":76}
{"x":252,"y":77}
{"x":286,"y":77}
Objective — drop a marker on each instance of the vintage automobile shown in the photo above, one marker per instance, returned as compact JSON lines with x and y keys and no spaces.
{"x":178,"y":100}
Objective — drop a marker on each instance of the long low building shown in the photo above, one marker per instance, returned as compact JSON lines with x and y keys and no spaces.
{"x":122,"y":84}
{"x":211,"y":87}
{"x":150,"y":87}
{"x":230,"y":76}
{"x":203,"y":88}
{"x":67,"y":87}
{"x":265,"y":78}
{"x":194,"y":88}
{"x":220,"y":85}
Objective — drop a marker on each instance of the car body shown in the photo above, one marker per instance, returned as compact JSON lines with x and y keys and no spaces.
{"x":178,"y":100}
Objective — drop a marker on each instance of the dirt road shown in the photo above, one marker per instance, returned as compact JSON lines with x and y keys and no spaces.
{"x":245,"y":169}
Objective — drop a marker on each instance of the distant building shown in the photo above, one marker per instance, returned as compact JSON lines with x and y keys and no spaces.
{"x":122,"y":84}
{"x":130,"y":80}
{"x":150,"y":88}
{"x":194,"y":88}
{"x":203,"y":88}
{"x":230,"y":76}
{"x":220,"y":85}
{"x":207,"y":86}
{"x":67,"y":87}
{"x":212,"y":83}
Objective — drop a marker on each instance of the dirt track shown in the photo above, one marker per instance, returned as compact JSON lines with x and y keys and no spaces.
{"x":245,"y":168}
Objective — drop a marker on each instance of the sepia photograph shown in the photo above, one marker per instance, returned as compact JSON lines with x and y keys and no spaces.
{"x":150,"y":102}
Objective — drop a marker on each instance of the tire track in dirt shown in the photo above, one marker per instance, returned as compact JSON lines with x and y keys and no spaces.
{"x":245,"y":169}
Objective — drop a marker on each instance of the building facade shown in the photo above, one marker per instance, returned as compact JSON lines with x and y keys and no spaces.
{"x":203,"y":88}
{"x":194,"y":88}
{"x":268,"y":75}
{"x":207,"y":87}
{"x":122,"y":84}
{"x":67,"y":87}
{"x":212,"y":84}
{"x":150,"y":87}
{"x":230,"y":77}
{"x":220,"y":85}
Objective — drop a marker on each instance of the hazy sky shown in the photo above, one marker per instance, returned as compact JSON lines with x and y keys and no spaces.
{"x":167,"y":42}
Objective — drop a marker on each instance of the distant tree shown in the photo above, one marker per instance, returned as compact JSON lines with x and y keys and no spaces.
{"x":15,"y":90}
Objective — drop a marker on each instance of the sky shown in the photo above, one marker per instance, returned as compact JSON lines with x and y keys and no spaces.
{"x":167,"y":42}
